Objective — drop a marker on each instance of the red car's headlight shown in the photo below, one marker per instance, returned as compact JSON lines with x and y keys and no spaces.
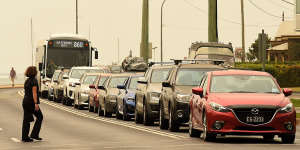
{"x":287,"y":108}
{"x":218,"y":107}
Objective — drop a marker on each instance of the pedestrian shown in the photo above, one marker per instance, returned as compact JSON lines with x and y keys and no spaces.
{"x":31,"y":106}
{"x":12,"y":76}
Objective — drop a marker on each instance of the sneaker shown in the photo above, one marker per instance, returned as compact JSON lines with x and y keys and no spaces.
{"x":27,"y":140}
{"x":37,"y":138}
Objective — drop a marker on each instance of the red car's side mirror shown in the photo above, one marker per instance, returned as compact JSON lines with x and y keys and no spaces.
{"x":92,"y":86}
{"x":287,"y":92}
{"x":197,"y":91}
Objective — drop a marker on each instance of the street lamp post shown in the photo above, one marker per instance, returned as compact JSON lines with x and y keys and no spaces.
{"x":76,"y":16}
{"x":161,"y":28}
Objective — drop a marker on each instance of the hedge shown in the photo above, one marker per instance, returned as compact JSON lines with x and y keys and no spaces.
{"x":287,"y":75}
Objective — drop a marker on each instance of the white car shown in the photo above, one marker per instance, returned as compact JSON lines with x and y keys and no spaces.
{"x":73,"y":79}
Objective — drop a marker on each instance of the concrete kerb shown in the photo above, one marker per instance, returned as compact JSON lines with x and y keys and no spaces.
{"x":10,"y":86}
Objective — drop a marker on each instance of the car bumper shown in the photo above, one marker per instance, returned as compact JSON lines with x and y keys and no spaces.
{"x":110,"y":106}
{"x":153,"y":111}
{"x":83,"y":100}
{"x":232,"y":126}
{"x":130,"y":108}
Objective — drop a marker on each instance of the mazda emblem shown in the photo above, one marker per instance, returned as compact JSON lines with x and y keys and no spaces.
{"x":254,"y":111}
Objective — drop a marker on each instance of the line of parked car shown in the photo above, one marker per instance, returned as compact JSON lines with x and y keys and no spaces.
{"x":210,"y":99}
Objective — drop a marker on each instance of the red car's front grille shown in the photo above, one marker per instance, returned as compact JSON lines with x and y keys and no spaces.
{"x":254,"y":115}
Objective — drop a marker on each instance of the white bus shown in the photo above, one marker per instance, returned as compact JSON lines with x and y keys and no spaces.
{"x":61,"y":51}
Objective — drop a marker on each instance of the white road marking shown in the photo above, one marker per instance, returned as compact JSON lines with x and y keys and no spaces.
{"x":75,"y":112}
{"x":15,"y":140}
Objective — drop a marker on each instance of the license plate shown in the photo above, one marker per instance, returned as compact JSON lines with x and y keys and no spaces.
{"x":255,"y":119}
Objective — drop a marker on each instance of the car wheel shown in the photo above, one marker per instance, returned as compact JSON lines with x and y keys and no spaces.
{"x":288,"y":138}
{"x":90,"y":108}
{"x":137,"y":118}
{"x":206,"y":135}
{"x":146,"y":118}
{"x":163,"y":123}
{"x":106,"y":114}
{"x":125,"y":116}
{"x":268,"y":137}
{"x":192,"y":131}
{"x":173,"y":125}
{"x":118,"y":115}
{"x":100,"y":112}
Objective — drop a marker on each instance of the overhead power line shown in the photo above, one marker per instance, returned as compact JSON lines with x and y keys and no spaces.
{"x":288,"y":2}
{"x":262,"y":10}
{"x":224,"y":19}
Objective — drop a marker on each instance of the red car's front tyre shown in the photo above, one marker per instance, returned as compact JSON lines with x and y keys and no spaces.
{"x":288,"y":138}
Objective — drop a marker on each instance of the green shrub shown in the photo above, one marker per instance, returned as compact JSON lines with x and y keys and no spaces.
{"x":287,"y":75}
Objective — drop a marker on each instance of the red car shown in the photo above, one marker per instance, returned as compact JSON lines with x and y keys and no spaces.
{"x":238,"y":102}
{"x":94,"y":92}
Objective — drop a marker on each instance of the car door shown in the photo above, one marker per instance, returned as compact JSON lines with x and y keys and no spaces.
{"x":140,"y":92}
{"x":168,"y":92}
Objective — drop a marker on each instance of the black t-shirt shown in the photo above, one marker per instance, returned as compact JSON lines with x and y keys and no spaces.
{"x":28,"y":85}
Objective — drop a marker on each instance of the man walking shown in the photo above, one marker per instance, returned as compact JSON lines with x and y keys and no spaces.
{"x":12,"y":76}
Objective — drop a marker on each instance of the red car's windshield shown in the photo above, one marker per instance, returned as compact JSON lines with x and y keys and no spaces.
{"x":243,"y":84}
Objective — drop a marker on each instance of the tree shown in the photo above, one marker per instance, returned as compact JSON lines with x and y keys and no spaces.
{"x":253,"y":50}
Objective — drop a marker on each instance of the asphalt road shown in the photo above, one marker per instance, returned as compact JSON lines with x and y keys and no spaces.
{"x":65,"y":128}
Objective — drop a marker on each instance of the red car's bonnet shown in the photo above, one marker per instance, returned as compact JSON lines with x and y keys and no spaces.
{"x":227,"y":99}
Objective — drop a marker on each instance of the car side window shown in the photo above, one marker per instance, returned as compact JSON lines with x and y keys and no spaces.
{"x":205,"y":87}
{"x":203,"y":81}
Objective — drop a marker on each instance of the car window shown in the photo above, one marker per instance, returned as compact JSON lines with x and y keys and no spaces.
{"x":205,"y":86}
{"x":243,"y":84}
{"x":89,"y":79}
{"x":189,"y":77}
{"x":133,"y":83}
{"x":77,"y":73}
{"x":115,"y":81}
{"x":102,"y":81}
{"x":55,"y":75}
{"x":160,"y":75}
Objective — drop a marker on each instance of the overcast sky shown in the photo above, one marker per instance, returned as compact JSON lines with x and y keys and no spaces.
{"x":185,"y":21}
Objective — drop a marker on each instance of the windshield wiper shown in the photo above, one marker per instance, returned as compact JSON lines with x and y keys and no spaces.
{"x":241,"y":92}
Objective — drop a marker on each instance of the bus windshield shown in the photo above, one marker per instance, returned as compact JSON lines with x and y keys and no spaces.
{"x":66,"y":57}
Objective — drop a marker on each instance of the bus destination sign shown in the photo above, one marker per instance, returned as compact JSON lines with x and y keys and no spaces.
{"x":67,"y":44}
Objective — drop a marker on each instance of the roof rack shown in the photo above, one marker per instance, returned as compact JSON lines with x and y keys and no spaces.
{"x":161,"y":63}
{"x":193,"y":61}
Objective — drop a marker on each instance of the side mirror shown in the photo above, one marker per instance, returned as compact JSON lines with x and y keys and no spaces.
{"x":65,"y":77}
{"x":142,"y":80}
{"x":101,"y":87}
{"x":121,"y":87}
{"x":166,"y":84}
{"x":96,"y":55}
{"x":287,"y":92}
{"x":40,"y":66}
{"x":92,"y":86}
{"x":77,"y":83}
{"x":197,"y":91}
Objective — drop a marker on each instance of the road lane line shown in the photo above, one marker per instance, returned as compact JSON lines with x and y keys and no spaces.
{"x":15,"y":140}
{"x":111,"y":121}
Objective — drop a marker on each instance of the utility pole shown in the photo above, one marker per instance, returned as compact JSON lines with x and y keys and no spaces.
{"x":262,"y":48}
{"x":243,"y":30}
{"x":31,"y":39}
{"x":76,"y":16}
{"x":161,"y":31}
{"x":212,"y":21}
{"x":144,"y":49}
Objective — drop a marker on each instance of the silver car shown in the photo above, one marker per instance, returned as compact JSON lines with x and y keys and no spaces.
{"x":82,"y":89}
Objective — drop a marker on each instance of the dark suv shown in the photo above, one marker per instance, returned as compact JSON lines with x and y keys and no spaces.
{"x":148,"y":93}
{"x":177,"y":91}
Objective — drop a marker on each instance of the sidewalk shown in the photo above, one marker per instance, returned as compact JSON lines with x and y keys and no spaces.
{"x":9,"y":86}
